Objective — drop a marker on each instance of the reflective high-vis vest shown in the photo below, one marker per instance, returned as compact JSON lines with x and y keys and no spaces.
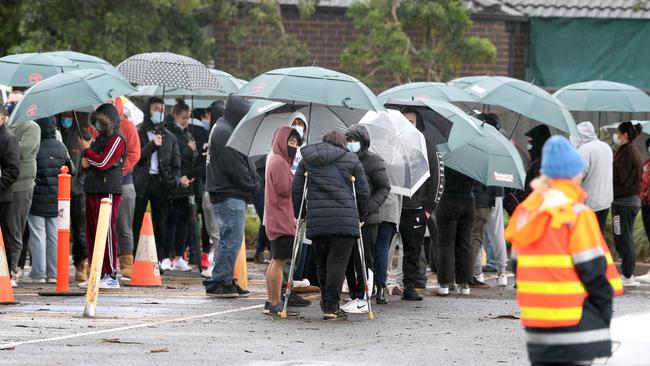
{"x":549,"y":244}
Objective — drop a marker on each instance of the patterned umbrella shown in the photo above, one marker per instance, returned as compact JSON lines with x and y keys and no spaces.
{"x":168,"y":70}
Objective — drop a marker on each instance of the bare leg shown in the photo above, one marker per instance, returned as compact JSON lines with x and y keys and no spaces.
{"x":274,"y":280}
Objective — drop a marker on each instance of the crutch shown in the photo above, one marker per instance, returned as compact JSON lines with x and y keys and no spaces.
{"x":296,"y":243}
{"x":371,"y":316}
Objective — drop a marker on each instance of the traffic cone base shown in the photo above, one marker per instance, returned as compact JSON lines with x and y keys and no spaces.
{"x":240,"y":272}
{"x":6,"y":291}
{"x":145,"y":268}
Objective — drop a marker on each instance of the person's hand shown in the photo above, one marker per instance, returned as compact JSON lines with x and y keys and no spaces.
{"x":192,"y":145}
{"x":185,"y":182}
{"x":157,"y":140}
{"x":84,"y":163}
{"x":83,"y":144}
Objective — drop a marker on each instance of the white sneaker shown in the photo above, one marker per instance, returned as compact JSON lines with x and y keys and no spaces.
{"x":181,"y":265}
{"x":464,"y":290}
{"x":644,"y":279}
{"x":480,"y":278}
{"x":18,"y":274}
{"x":348,"y":305}
{"x":442,"y":291}
{"x":83,"y":285}
{"x":502,"y":280}
{"x":629,"y":281}
{"x":166,"y":264}
{"x":359,"y":307}
{"x":33,"y":280}
{"x":109,"y":283}
{"x":51,"y":280}
{"x":301,"y":284}
{"x":13,"y":283}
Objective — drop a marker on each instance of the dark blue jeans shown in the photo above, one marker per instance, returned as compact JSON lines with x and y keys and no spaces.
{"x":231,"y":215}
{"x":385,"y":234}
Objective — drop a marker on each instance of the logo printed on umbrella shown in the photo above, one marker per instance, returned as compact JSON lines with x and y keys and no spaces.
{"x":31,"y":110}
{"x":259,"y":87}
{"x":423,"y":96}
{"x":35,"y":78}
{"x":477,"y":89}
{"x":501,"y":177}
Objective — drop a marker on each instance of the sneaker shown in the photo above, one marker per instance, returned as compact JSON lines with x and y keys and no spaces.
{"x":109,"y":283}
{"x":502,"y":280}
{"x":205,"y":261}
{"x":81,"y":273}
{"x":166,"y":265}
{"x":83,"y":284}
{"x":464,"y":289}
{"x":301,"y":284}
{"x":397,"y":291}
{"x":206,"y":273}
{"x":51,"y":280}
{"x":270,"y":309}
{"x":348,"y":306}
{"x":33,"y":280}
{"x":17,"y":274}
{"x":630,"y":281}
{"x":181,"y":265}
{"x":240,"y":291}
{"x":411,"y":295}
{"x":335,"y":315}
{"x":13,"y":283}
{"x":644,"y":279}
{"x":443,"y":290}
{"x":479,"y":282}
{"x":358,"y":307}
{"x":297,"y":301}
{"x":220,"y":290}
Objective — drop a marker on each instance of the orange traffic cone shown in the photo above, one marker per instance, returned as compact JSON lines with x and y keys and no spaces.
{"x":6,"y":292}
{"x":145,"y":269}
{"x":241,"y":271}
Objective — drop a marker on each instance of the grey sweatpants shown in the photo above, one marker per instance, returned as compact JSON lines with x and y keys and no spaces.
{"x":211,"y":224}
{"x":125,"y":221}
{"x":16,"y":221}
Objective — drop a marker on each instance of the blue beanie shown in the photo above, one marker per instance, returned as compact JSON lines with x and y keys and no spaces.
{"x":560,"y":159}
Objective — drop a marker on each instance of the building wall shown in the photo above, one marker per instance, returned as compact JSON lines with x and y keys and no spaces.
{"x":328,"y":32}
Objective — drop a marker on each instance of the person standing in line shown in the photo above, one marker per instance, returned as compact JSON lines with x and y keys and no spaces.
{"x":627,"y":200}
{"x":200,"y":129}
{"x":332,"y":216}
{"x":358,"y":142}
{"x":9,"y":170}
{"x":389,"y":213}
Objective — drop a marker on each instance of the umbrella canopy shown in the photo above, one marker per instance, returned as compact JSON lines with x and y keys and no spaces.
{"x":603,"y":96}
{"x":315,"y":85}
{"x":402,"y":147}
{"x":69,"y":91}
{"x":427,"y":90}
{"x":523,"y":98}
{"x":87,"y":61}
{"x":254,"y":133}
{"x":196,"y":98}
{"x":26,"y":69}
{"x":461,"y":83}
{"x":168,"y":70}
{"x":444,"y":123}
{"x":490,"y":159}
{"x":229,"y":83}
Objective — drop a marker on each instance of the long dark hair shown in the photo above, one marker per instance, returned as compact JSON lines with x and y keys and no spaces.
{"x":335,"y":138}
{"x":631,"y":130}
{"x":180,"y":107}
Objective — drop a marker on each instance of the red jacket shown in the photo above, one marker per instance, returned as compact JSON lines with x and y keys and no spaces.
{"x":645,"y":183}
{"x":130,"y":132}
{"x":278,"y":210}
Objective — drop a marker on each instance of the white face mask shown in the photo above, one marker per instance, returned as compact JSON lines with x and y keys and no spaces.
{"x":617,"y":140}
{"x":300,"y":130}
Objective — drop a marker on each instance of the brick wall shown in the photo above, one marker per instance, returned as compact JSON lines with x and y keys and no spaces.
{"x":328,"y":32}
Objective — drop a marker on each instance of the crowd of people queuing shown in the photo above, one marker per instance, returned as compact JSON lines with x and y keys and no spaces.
{"x":177,"y":165}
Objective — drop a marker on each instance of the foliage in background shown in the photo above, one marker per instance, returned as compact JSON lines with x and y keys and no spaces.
{"x":412,"y":40}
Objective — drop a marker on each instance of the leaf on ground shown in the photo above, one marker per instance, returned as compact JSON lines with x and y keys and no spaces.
{"x":159,"y":350}
{"x":247,"y":351}
{"x":117,"y":341}
{"x":507,"y":317}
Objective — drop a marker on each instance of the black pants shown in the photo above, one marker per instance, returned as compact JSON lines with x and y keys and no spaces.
{"x":178,"y":221}
{"x":331,"y":255}
{"x":155,"y":193}
{"x":623,"y":223}
{"x":263,"y":242}
{"x":412,"y":228}
{"x":78,"y":227}
{"x":4,"y":206}
{"x":602,"y":219}
{"x":354,"y":273}
{"x":455,"y":218}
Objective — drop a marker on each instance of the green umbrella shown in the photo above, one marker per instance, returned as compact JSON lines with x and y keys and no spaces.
{"x":461,"y":83}
{"x":427,"y":90}
{"x":524,"y":98}
{"x":489,"y":158}
{"x":229,"y":83}
{"x":69,"y":91}
{"x":87,"y":61}
{"x":26,"y":69}
{"x":311,"y":85}
{"x":603,"y":96}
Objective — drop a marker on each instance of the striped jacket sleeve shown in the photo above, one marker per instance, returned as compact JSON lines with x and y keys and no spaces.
{"x":107,"y":158}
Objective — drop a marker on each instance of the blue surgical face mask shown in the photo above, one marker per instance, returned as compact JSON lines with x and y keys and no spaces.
{"x":354,"y":147}
{"x":156,"y":117}
{"x":300,"y":130}
{"x":66,"y":122}
{"x":10,"y":108}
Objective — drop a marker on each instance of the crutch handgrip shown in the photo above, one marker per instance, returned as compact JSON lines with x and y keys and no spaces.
{"x":353,"y":178}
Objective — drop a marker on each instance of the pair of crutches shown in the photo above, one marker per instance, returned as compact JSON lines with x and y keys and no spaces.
{"x":297,"y":242}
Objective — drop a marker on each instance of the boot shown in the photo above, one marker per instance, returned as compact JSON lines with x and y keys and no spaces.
{"x":82,"y":271}
{"x":126,"y":265}
{"x":381,"y":298}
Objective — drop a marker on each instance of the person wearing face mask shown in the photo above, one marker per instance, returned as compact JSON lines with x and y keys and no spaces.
{"x":358,"y":142}
{"x":279,"y":220}
{"x":157,"y":173}
{"x":103,"y":160}
{"x":537,"y":136}
{"x":627,"y":201}
{"x":597,"y":178}
{"x":179,"y":207}
{"x":298,"y":123}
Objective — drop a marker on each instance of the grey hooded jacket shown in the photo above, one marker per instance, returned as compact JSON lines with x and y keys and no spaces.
{"x":598,"y":179}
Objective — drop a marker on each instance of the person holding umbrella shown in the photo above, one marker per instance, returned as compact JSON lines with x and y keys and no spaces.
{"x":103,"y":160}
{"x":156,"y":174}
{"x":358,"y":142}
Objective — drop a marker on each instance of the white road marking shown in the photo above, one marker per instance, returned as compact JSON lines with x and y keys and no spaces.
{"x":144,"y":325}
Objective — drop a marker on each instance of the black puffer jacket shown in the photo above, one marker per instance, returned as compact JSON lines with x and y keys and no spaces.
{"x":52,"y":155}
{"x":538,"y":136}
{"x":375,"y":168}
{"x":9,"y":162}
{"x":230,"y":174}
{"x":188,"y":159}
{"x":169,"y":160}
{"x":331,"y":208}
{"x":429,"y":194}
